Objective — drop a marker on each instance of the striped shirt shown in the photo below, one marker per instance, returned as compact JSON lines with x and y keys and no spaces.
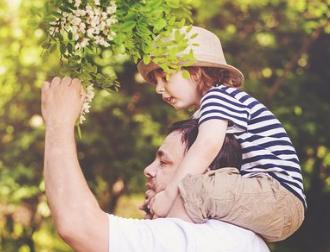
{"x":265,"y":144}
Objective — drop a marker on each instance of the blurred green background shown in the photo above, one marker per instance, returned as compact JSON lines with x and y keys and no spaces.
{"x":283,"y":49}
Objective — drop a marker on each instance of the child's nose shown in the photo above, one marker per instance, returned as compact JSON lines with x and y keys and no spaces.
{"x":160,"y":87}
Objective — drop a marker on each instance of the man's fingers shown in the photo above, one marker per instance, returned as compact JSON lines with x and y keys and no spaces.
{"x":148,"y":217}
{"x":155,"y":216}
{"x":55,"y":82}
{"x":76,"y":81}
{"x":144,"y":204}
{"x":45,"y":86}
{"x":142,"y":207}
{"x":82,"y":91}
{"x":66,"y":81}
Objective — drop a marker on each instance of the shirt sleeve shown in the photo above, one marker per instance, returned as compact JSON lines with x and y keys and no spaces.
{"x":218,"y":104}
{"x":134,"y":235}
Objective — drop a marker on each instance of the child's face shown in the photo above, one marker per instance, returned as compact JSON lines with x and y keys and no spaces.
{"x":179,"y":92}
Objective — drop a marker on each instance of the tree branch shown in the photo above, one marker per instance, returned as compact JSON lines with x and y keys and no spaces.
{"x":292,"y":63}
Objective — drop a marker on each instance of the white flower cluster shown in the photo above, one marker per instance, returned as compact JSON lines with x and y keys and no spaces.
{"x":87,"y":24}
{"x":87,"y":103}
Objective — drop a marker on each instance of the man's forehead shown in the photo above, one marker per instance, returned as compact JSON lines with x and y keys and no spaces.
{"x":172,"y":145}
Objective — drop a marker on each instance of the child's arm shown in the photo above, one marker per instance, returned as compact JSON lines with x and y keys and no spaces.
{"x":211,"y":134}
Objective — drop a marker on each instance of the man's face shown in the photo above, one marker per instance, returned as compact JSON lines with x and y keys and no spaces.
{"x":168,"y":158}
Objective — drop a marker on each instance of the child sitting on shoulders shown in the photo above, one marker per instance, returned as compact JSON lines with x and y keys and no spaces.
{"x":266,"y":195}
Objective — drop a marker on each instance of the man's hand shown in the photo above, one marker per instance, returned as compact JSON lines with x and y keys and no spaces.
{"x":77,"y":215}
{"x":61,"y":102}
{"x":162,"y":202}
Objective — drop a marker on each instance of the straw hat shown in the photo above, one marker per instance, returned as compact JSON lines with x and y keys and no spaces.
{"x":208,"y":53}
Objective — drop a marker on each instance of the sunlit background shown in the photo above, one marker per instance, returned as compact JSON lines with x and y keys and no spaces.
{"x":282,"y":47}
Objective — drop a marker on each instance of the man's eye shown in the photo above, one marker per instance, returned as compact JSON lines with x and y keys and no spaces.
{"x":162,"y":163}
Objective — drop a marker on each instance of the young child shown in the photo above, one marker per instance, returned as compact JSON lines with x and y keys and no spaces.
{"x":267,"y":195}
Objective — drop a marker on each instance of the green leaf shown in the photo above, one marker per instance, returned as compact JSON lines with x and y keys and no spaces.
{"x":60,"y":37}
{"x":70,"y":48}
{"x":45,"y":44}
{"x":62,"y":48}
{"x":173,"y":3}
{"x":194,"y":35}
{"x":160,"y":24}
{"x":146,"y":59}
{"x":185,"y":74}
{"x":155,"y":4}
{"x":128,"y":26}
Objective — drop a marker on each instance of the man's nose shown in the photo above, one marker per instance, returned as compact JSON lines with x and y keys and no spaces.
{"x":150,"y":170}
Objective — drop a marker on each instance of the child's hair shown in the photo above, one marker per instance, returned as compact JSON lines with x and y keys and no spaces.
{"x":206,"y":77}
{"x":230,"y":154}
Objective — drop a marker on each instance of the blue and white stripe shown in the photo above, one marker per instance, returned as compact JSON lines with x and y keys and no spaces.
{"x":265,"y":144}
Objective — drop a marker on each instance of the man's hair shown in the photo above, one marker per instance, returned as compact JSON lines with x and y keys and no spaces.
{"x":207,"y":77}
{"x":230,"y":154}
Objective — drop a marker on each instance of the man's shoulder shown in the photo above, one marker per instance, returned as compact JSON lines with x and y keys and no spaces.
{"x":172,"y":233}
{"x":208,"y":226}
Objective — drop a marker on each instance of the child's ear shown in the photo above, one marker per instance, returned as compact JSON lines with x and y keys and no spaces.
{"x":195,"y":74}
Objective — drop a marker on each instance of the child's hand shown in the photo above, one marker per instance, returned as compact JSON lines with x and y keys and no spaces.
{"x":162,"y":202}
{"x":145,"y":207}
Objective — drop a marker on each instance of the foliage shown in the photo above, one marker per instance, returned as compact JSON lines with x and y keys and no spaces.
{"x":84,"y":30}
{"x":282,"y":47}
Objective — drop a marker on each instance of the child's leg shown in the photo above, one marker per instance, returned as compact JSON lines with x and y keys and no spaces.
{"x":260,"y":203}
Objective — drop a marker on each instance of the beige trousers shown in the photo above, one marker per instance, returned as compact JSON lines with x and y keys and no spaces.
{"x":258,"y":203}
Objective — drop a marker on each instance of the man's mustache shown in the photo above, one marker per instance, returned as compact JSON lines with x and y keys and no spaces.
{"x":150,"y":185}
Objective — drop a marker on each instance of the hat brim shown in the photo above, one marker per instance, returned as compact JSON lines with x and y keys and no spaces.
{"x":145,"y":69}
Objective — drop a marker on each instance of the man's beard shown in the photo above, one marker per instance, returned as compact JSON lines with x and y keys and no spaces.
{"x":150,"y":186}
{"x":146,"y":209}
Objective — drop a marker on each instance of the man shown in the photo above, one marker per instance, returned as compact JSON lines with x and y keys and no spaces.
{"x":82,"y":223}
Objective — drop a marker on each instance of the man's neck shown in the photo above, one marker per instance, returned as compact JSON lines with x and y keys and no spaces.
{"x":178,"y":210}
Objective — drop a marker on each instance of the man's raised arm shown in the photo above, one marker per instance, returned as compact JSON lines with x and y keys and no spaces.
{"x":78,"y":218}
